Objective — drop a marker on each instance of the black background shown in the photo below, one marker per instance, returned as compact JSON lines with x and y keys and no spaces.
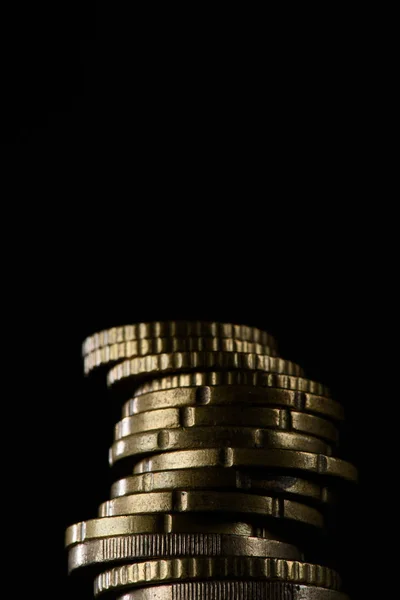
{"x":228,"y":169}
{"x":69,"y":419}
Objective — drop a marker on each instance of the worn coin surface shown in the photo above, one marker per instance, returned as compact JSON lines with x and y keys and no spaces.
{"x":169,"y":439}
{"x":238,"y":415}
{"x":178,"y":569}
{"x":237,"y":503}
{"x":232,"y":395}
{"x":168,"y":545}
{"x":234,"y":378}
{"x":220,"y":478}
{"x":165,"y":523}
{"x":135,"y":368}
{"x":234,"y":590}
{"x":159,"y":329}
{"x":319,"y":464}
{"x":122,"y":350}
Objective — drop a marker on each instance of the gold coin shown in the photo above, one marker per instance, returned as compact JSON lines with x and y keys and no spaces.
{"x":170,"y":439}
{"x":180,"y":569}
{"x":168,"y":545}
{"x":139,"y":331}
{"x":234,"y":590}
{"x":203,"y":501}
{"x":166,"y":523}
{"x":219,"y":478}
{"x":234,"y":378}
{"x":319,"y":464}
{"x":231,"y":395}
{"x":189,"y":361}
{"x":141,"y":347}
{"x":238,"y":415}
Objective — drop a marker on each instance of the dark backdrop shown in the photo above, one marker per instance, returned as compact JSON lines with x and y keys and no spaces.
{"x":324,"y":336}
{"x":229,"y":182}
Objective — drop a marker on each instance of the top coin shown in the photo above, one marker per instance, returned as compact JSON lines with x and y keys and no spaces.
{"x":176,"y":329}
{"x":191,"y":361}
{"x":142,"y":347}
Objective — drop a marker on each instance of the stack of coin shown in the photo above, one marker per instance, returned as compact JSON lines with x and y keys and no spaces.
{"x":227,"y":456}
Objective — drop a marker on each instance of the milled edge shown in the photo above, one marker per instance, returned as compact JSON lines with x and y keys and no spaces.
{"x":176,"y":361}
{"x":230,"y":378}
{"x":171,"y":328}
{"x":200,"y":568}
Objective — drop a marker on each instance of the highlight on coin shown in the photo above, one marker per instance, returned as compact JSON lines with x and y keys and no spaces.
{"x":226,"y":469}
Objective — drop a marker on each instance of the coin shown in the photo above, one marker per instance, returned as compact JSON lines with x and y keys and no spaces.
{"x":166,"y":523}
{"x":213,"y":478}
{"x":158,"y":364}
{"x":238,"y":415}
{"x":229,"y":395}
{"x":319,"y":464}
{"x":167,"y":545}
{"x":142,"y":347}
{"x":158,"y":329}
{"x":234,"y":590}
{"x":203,"y":501}
{"x":234,"y":378}
{"x":140,"y":444}
{"x":178,"y":569}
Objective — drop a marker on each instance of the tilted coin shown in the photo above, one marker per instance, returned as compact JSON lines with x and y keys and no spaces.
{"x":141,"y":347}
{"x":238,"y":415}
{"x":234,"y":378}
{"x":180,"y":361}
{"x":166,"y":523}
{"x":202,"y":501}
{"x":230,"y":395}
{"x":159,"y":329}
{"x":319,"y":464}
{"x":151,"y":442}
{"x":168,"y":545}
{"x":178,"y":569}
{"x":234,"y":590}
{"x":219,"y":478}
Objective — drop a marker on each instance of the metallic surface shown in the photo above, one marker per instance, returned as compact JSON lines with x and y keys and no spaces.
{"x":241,"y":457}
{"x":234,"y":378}
{"x":234,"y":590}
{"x":217,"y":478}
{"x":168,"y":545}
{"x":178,"y":569}
{"x":165,"y":440}
{"x":236,"y":503}
{"x":231,"y":396}
{"x":159,"y":329}
{"x":212,"y":416}
{"x":159,"y":364}
{"x":227,"y":466}
{"x":165,"y":523}
{"x":119,"y":351}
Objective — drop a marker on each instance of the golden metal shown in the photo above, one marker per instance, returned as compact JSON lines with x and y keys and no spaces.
{"x":240,"y":457}
{"x":231,"y":395}
{"x":122,"y":350}
{"x":165,"y":523}
{"x":234,"y":590}
{"x":214,"y":416}
{"x":180,"y":569}
{"x":165,"y":440}
{"x":160,"y":364}
{"x":225,"y":453}
{"x":159,"y":329}
{"x":238,"y":503}
{"x":234,"y":378}
{"x":167,"y":545}
{"x":220,"y":478}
